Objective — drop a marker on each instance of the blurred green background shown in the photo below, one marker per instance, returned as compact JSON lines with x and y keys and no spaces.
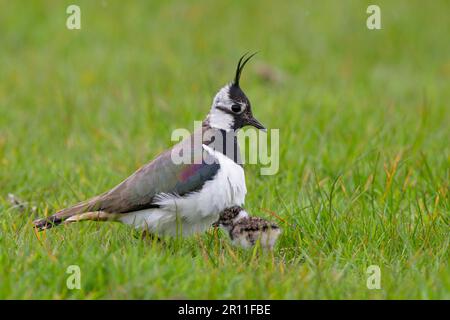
{"x":364,"y":148}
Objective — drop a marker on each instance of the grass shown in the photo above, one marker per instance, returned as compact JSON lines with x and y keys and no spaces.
{"x":364,"y":144}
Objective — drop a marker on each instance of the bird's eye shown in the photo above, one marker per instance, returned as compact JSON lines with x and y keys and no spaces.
{"x":236,"y":108}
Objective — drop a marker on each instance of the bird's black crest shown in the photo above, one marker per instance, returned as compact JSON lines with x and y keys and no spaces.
{"x":240,"y":67}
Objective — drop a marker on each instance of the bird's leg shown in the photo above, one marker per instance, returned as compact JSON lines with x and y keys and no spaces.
{"x":147,"y":235}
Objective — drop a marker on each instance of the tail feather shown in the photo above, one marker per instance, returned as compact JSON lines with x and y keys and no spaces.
{"x":63,"y":215}
{"x":47,"y":223}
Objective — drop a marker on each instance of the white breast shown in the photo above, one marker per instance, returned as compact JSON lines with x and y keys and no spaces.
{"x":227,"y":188}
{"x":196,"y":212}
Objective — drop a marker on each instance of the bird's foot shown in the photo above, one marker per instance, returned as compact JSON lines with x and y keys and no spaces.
{"x":150,"y":237}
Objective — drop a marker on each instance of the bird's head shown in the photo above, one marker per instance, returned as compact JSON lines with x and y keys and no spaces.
{"x":231,"y":109}
{"x":229,"y":217}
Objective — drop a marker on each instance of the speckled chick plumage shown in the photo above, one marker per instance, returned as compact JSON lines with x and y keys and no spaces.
{"x":246,"y":231}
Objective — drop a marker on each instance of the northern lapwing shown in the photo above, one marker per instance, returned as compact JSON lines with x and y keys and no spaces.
{"x":245,"y":230}
{"x":165,"y":197}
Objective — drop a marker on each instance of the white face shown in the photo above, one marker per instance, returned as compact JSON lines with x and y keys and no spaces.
{"x":226,"y":227}
{"x":224,"y":110}
{"x":230,"y":224}
{"x":242,"y":214}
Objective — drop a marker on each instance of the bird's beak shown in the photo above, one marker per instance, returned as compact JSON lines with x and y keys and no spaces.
{"x":252,"y":121}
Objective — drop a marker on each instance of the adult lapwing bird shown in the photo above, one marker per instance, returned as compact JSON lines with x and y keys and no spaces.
{"x":166,"y":197}
{"x":245,"y":231}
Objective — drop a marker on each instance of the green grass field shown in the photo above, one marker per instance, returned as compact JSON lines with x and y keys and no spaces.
{"x":364,"y":144}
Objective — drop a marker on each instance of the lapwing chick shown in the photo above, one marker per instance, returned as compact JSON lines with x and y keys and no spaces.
{"x":179,"y":198}
{"x":245,"y":231}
